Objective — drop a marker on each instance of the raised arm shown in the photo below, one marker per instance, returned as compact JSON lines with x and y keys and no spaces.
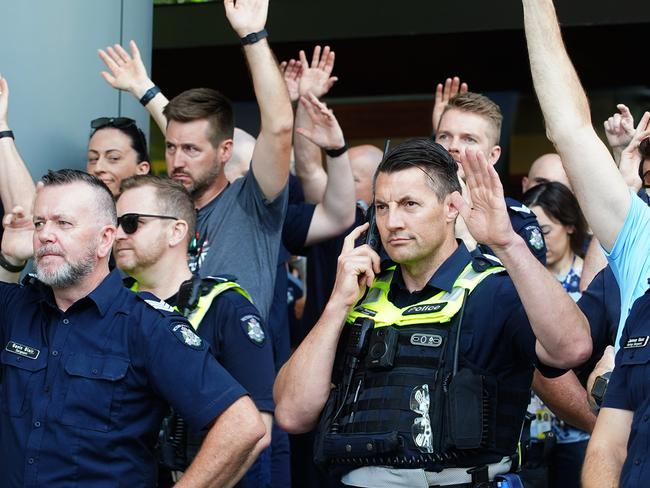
{"x":561,"y":329}
{"x":231,"y":446}
{"x":272,"y":151}
{"x":336,"y":212}
{"x":452,"y":87}
{"x":305,"y":381}
{"x":127,"y":72}
{"x":599,"y":187}
{"x":316,"y":79}
{"x":16,"y":184}
{"x":619,"y":129}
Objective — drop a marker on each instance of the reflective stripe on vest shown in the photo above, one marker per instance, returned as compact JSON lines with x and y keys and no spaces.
{"x":440,"y":308}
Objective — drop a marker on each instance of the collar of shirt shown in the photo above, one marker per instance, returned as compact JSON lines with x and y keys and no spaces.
{"x":443,"y":279}
{"x":103,"y":296}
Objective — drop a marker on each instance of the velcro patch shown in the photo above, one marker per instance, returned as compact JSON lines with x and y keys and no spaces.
{"x":430,"y":308}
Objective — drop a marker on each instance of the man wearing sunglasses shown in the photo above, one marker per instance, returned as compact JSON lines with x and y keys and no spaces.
{"x":88,"y":367}
{"x":239,"y":224}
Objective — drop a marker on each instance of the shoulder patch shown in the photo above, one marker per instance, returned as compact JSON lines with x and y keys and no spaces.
{"x":534,"y":237}
{"x":252,"y":326}
{"x":185,"y":334}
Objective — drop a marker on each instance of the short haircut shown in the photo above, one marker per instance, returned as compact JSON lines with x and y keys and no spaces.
{"x":478,"y":104}
{"x":204,"y":103}
{"x":171,"y":197}
{"x":430,"y":157}
{"x":560,"y":204}
{"x":104,"y":200}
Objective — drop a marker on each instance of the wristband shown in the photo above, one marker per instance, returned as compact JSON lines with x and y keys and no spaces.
{"x":149,"y":95}
{"x":254,"y":37}
{"x":335,"y":153}
{"x":12,"y":268}
{"x":7,"y":133}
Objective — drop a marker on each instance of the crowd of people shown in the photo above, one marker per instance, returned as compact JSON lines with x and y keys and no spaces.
{"x":447,"y":335}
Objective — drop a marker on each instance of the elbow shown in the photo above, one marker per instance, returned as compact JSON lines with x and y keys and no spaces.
{"x":258,"y":435}
{"x":291,"y":421}
{"x":279,"y":125}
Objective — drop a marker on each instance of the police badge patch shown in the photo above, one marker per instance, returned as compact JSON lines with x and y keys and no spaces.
{"x":535,"y":238}
{"x":186,"y":335}
{"x":253,"y":329}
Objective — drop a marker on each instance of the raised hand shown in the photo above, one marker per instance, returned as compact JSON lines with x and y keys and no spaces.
{"x":355,"y":270}
{"x":487,"y":219}
{"x":4,"y":103}
{"x":631,"y":157}
{"x":619,"y":128}
{"x":17,"y":240}
{"x":291,"y":71}
{"x":246,"y":16}
{"x":325,"y":130}
{"x":451,"y":88}
{"x":317,"y":78}
{"x":127,"y":71}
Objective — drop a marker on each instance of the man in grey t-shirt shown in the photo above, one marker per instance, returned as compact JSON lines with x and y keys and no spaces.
{"x":239,"y":225}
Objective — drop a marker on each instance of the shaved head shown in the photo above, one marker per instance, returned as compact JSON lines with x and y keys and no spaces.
{"x":545,"y":169}
{"x":364,"y":161}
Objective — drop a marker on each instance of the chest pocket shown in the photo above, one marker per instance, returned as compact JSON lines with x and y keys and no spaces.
{"x":94,"y":383}
{"x":20,"y":379}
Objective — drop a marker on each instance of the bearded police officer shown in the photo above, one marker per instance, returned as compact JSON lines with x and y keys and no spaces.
{"x":431,"y":357}
{"x":88,"y":367}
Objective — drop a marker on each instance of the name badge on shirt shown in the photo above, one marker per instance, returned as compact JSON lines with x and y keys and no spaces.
{"x":636,"y":342}
{"x":22,"y":350}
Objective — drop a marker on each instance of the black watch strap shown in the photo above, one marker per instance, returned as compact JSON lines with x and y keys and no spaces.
{"x":599,"y":387}
{"x":12,"y":268}
{"x":254,"y":37}
{"x":7,"y":133}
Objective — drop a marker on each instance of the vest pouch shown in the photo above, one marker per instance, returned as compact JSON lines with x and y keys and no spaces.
{"x":465,"y":412}
{"x":342,"y":446}
{"x":324,"y":427}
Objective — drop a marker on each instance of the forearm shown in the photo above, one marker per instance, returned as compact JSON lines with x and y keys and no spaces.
{"x":309,"y":161}
{"x":561,"y":329}
{"x":230,"y":447}
{"x":566,"y":397}
{"x":16,"y":184}
{"x":305,"y":381}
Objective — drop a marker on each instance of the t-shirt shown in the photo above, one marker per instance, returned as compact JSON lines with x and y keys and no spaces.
{"x":239,"y":234}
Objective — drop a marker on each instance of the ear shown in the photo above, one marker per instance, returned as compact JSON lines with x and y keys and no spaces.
{"x":177,"y":233}
{"x":524,"y":184}
{"x":494,"y":155}
{"x":452,"y":206}
{"x":106,"y":239}
{"x":225,"y":150}
{"x":143,"y":168}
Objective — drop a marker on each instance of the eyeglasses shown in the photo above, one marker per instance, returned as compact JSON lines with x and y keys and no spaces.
{"x":120,"y":123}
{"x":130,"y":221}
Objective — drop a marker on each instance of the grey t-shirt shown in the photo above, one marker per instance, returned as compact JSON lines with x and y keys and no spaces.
{"x":239,"y":234}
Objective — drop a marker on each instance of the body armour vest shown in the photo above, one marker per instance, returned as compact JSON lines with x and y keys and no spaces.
{"x":407,"y":399}
{"x":177,"y":446}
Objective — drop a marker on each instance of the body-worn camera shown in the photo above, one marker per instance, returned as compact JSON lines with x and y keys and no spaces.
{"x":382,"y":348}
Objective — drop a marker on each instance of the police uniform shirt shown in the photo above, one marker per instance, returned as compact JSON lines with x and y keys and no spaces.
{"x":84,"y":391}
{"x":240,"y":342}
{"x":496,"y":336}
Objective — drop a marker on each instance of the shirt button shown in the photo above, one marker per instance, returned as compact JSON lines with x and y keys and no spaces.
{"x":37,"y":424}
{"x":30,"y":460}
{"x":94,"y":371}
{"x":55,"y":353}
{"x":637,"y":462}
{"x":646,"y":417}
{"x":47,"y":389}
{"x":66,"y":321}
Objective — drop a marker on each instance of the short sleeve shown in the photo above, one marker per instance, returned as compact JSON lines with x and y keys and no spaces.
{"x":194,"y":383}
{"x":270,"y":212}
{"x":242,"y":345}
{"x":296,"y":226}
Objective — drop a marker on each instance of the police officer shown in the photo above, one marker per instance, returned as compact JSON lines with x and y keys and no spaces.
{"x":88,"y":367}
{"x":431,"y":358}
{"x":157,"y":221}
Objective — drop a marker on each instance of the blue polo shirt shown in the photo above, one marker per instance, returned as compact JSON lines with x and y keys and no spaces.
{"x":84,"y":391}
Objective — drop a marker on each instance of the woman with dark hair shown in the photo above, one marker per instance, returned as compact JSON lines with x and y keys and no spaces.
{"x":565,"y":231}
{"x":117,"y":149}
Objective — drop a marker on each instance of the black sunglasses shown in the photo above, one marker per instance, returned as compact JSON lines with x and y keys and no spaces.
{"x":119,"y":123}
{"x":130,"y":221}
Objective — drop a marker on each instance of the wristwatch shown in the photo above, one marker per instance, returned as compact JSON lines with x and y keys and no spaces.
{"x":600,"y":387}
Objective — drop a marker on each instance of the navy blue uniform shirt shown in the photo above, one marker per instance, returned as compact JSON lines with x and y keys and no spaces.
{"x":84,"y":391}
{"x":629,"y":389}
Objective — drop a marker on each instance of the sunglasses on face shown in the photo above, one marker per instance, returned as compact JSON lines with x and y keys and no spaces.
{"x":130,"y":221}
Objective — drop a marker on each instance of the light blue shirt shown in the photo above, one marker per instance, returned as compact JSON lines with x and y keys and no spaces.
{"x":630,"y":258}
